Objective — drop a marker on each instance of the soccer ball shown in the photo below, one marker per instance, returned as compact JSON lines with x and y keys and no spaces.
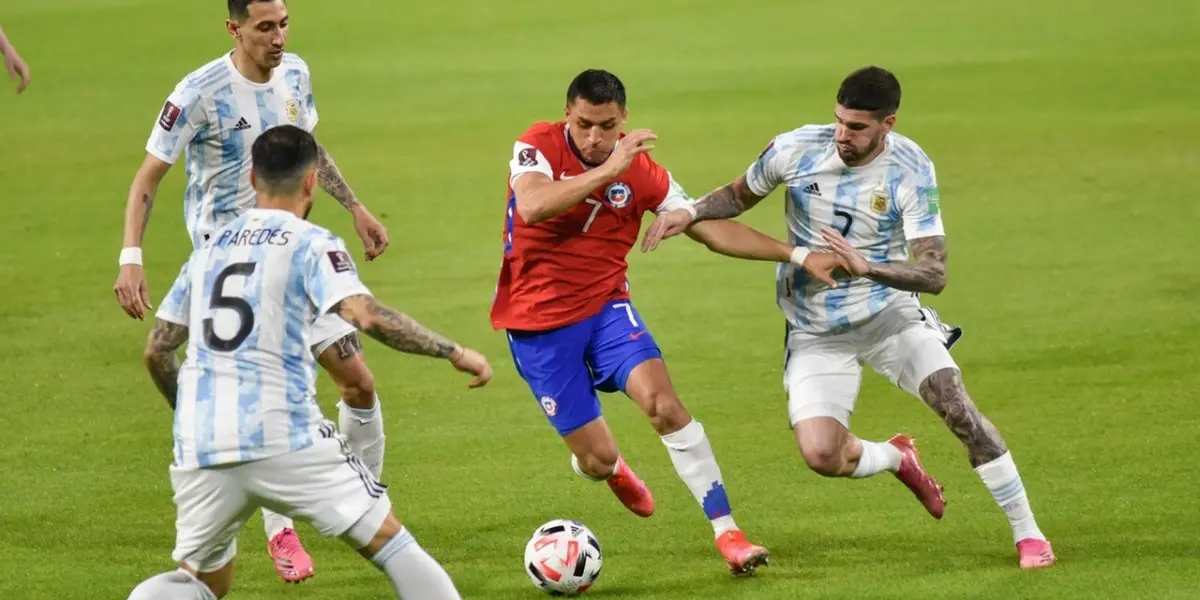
{"x":563,"y":558}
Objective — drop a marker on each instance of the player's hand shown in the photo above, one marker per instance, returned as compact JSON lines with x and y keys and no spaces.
{"x":17,"y":69}
{"x":856,"y":264}
{"x":132,"y":292}
{"x":469,"y":361}
{"x":666,"y":225}
{"x":821,"y":266}
{"x":373,"y":234}
{"x":626,"y":150}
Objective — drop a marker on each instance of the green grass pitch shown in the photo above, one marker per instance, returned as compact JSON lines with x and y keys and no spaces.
{"x":1064,"y":134}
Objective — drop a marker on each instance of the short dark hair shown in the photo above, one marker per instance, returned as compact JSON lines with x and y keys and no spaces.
{"x":873,"y":89}
{"x":597,"y":86}
{"x":240,"y":9}
{"x":281,"y":157}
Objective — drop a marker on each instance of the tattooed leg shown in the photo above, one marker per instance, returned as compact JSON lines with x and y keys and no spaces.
{"x":945,"y":394}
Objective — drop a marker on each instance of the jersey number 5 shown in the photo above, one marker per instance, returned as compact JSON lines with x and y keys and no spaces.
{"x":219,"y":300}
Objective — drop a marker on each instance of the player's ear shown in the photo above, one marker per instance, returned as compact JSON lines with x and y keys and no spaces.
{"x":889,"y":121}
{"x":310,"y":181}
{"x":567,"y":111}
{"x":253,"y":180}
{"x":232,"y":28}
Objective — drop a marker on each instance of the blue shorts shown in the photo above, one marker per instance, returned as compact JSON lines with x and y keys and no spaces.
{"x":564,"y":367}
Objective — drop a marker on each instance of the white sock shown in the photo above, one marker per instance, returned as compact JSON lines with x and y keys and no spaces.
{"x":876,"y":458}
{"x":1002,"y":480}
{"x":174,"y":585}
{"x":363,"y":429}
{"x":415,"y":575}
{"x":275,"y":523}
{"x":693,"y":458}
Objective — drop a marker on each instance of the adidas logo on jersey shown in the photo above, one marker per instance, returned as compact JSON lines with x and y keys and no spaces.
{"x":242,"y":125}
{"x":812,"y":189}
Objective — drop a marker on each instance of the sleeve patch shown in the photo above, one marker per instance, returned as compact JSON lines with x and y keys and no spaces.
{"x":170,"y":114}
{"x":340,"y":260}
{"x":932,"y":199}
{"x":527,"y":157}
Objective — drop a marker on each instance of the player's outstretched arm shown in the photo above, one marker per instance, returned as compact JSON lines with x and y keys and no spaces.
{"x":734,"y":239}
{"x":539,"y":198}
{"x":401,"y":332}
{"x":925,"y":275}
{"x":730,"y":238}
{"x":130,"y":288}
{"x":161,"y":359}
{"x":725,"y":202}
{"x":16,"y":67}
{"x":373,"y":234}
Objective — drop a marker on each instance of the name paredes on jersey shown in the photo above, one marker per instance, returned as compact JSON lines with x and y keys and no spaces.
{"x":254,"y":237}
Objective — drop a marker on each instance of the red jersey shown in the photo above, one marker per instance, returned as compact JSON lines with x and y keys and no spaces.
{"x":563,"y":270}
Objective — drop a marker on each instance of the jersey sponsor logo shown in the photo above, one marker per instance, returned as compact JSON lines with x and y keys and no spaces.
{"x":293,"y":110}
{"x":879,"y":202}
{"x":527,"y":157}
{"x":549,"y":405}
{"x":618,"y":194}
{"x":340,"y":260}
{"x":932,"y":199}
{"x":170,"y":114}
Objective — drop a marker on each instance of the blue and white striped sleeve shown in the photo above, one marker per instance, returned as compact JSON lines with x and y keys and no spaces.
{"x":332,"y":275}
{"x":176,"y":306}
{"x":766,"y":173}
{"x":181,"y":117}
{"x":920,"y":205}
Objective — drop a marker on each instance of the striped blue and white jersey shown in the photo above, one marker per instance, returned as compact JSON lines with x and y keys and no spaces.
{"x":249,"y":296}
{"x":879,"y":207}
{"x":213,"y":117}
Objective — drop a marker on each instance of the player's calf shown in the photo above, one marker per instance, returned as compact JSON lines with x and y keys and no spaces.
{"x":395,"y":552}
{"x":945,"y":393}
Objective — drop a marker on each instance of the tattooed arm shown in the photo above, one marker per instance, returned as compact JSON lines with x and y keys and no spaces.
{"x":727,"y":201}
{"x":161,"y":359}
{"x":926,"y":275}
{"x":400,"y":332}
{"x":329,"y":177}
{"x":393,"y":328}
{"x":373,"y":234}
{"x":132,"y":292}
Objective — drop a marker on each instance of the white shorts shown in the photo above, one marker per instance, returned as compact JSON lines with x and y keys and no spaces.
{"x":327,"y":330}
{"x":324,"y":484}
{"x":823,"y":372}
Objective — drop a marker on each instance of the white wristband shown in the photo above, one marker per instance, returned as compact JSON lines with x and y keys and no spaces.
{"x":130,"y":256}
{"x":799,"y":253}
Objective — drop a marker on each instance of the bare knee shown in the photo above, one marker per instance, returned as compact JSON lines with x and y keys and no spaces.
{"x":825,"y":457}
{"x":666,"y":413}
{"x":598,"y":461}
